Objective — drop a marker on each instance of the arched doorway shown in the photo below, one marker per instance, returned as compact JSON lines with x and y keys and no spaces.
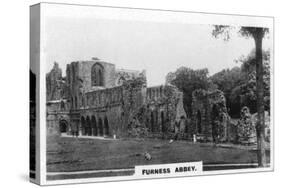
{"x":88,"y":126}
{"x":83,"y":125}
{"x":163,"y":128}
{"x":75,"y":102}
{"x":106,"y":127}
{"x":152,"y":121}
{"x":100,"y":127}
{"x":94,"y":126}
{"x":63,"y":126}
{"x":156,"y":125}
{"x":214,"y":122}
{"x":199,"y":122}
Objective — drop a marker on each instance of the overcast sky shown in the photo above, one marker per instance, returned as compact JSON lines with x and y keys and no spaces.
{"x":156,"y":47}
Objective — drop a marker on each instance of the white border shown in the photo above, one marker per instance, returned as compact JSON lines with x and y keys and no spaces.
{"x":51,"y":9}
{"x":43,"y":135}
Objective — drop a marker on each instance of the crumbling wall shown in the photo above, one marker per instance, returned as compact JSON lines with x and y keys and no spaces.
{"x":134,"y":97}
{"x":57,"y":111}
{"x":53,"y":83}
{"x":201,"y":122}
{"x":102,"y":98}
{"x":130,"y":109}
{"x":209,"y":115}
{"x":57,"y":105}
{"x":104,"y":105}
{"x":219,"y":119}
{"x":164,"y":109}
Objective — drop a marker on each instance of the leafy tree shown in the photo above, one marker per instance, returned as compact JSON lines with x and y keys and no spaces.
{"x":187,"y":80}
{"x":257,"y":33}
{"x":247,"y":91}
{"x":226,"y":80}
{"x":239,"y":84}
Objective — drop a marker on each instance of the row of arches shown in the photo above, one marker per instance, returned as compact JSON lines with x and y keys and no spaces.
{"x":94,"y":126}
{"x":154,"y":122}
{"x":155,"y":92}
{"x":74,"y":102}
{"x":199,"y":122}
{"x":97,"y":98}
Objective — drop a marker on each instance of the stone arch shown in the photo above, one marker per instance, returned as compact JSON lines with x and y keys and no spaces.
{"x":63,"y":126}
{"x":75,"y":102}
{"x":156,"y":123}
{"x":71,"y":102}
{"x":88,"y":126}
{"x":83,"y":101}
{"x":100,"y":127}
{"x":161,"y":91}
{"x":83,"y":125}
{"x":152,"y":123}
{"x":214,"y":121}
{"x":199,"y":122}
{"x":62,"y":105}
{"x":106,"y":126}
{"x":163,"y":126}
{"x":94,"y":126}
{"x":97,"y":75}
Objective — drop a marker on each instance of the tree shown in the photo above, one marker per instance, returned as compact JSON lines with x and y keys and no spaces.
{"x":226,"y":80}
{"x":187,"y":80}
{"x":239,"y":84}
{"x":248,"y":68}
{"x":257,"y":33}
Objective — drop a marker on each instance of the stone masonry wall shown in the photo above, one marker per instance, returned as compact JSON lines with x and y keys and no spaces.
{"x":53,"y":85}
{"x":111,"y":110}
{"x":209,"y":115}
{"x":164,"y":110}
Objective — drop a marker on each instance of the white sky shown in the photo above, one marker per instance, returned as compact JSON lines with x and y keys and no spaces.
{"x":157,"y":47}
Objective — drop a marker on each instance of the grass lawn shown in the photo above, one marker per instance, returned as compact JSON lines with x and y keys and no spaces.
{"x":77,"y":154}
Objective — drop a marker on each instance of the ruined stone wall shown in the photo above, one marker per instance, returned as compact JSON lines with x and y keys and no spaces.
{"x":209,"y":115}
{"x":164,"y":110}
{"x":113,"y":110}
{"x":53,"y":84}
{"x":57,"y":111}
{"x":102,"y":98}
{"x":134,"y":97}
{"x":85,"y":68}
{"x":108,"y":112}
{"x":102,"y":121}
{"x":58,"y":104}
{"x":79,"y":79}
{"x":103,"y":108}
{"x":74,"y":83}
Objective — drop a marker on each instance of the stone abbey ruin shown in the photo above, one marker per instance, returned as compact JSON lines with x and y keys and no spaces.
{"x":97,"y":99}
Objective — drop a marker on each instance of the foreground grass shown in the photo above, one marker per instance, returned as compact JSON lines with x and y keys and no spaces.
{"x":76,"y":154}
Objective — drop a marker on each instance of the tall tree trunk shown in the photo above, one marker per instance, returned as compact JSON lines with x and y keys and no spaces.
{"x":260,"y":127}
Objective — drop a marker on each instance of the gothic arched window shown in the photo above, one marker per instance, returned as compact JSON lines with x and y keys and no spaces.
{"x":97,"y":75}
